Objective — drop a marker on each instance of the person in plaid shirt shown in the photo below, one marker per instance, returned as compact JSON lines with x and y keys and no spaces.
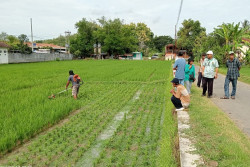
{"x":233,"y":66}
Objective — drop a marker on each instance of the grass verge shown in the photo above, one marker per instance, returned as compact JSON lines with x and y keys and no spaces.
{"x":169,"y":152}
{"x":217,"y":138}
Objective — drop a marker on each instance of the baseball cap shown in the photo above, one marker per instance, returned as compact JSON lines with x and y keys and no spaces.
{"x":176,"y":81}
{"x":210,"y":52}
{"x":231,"y":52}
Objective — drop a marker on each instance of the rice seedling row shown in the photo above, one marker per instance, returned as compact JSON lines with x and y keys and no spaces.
{"x":136,"y":140}
{"x":74,"y":138}
{"x":110,"y":85}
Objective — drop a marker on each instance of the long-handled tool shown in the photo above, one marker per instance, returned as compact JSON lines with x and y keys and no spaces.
{"x":54,"y":95}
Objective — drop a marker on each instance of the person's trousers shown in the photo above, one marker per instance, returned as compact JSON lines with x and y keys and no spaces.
{"x":208,"y":84}
{"x":181,"y":81}
{"x":176,"y":102}
{"x":199,"y":79}
{"x":188,"y":86}
{"x":75,"y":90}
{"x":226,"y":86}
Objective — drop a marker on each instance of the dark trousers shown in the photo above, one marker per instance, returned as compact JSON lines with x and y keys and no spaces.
{"x":176,"y":102}
{"x":208,"y":84}
{"x":199,"y":79}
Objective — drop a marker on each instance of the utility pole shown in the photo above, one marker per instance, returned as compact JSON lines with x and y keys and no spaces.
{"x":31,"y":35}
{"x":179,"y":13}
{"x":67,"y":35}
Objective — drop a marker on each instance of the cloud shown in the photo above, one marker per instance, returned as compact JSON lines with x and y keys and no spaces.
{"x":52,"y":17}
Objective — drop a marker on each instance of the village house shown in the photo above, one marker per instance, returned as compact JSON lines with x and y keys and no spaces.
{"x":3,"y":53}
{"x":171,"y":51}
{"x":243,"y":49}
{"x":46,"y":48}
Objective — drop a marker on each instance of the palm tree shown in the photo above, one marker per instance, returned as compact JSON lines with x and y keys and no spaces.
{"x":237,"y":34}
{"x":232,"y":34}
{"x":225,"y":31}
{"x":245,"y":24}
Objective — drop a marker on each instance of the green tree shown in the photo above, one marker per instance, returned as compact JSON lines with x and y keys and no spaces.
{"x":188,"y":33}
{"x":129,"y":38}
{"x":246,"y":25}
{"x":161,"y":41}
{"x":110,"y":35}
{"x":232,"y":34}
{"x":60,"y":41}
{"x":83,"y":41}
{"x":199,"y":45}
{"x":145,"y":37}
{"x":22,"y":46}
{"x":12,"y":39}
{"x":116,"y":37}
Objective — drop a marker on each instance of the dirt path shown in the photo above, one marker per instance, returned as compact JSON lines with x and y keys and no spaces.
{"x":238,"y":109}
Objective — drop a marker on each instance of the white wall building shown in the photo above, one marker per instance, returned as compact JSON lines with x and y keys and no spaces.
{"x":3,"y":53}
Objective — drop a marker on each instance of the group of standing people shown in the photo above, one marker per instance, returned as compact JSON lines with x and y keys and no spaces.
{"x":208,"y":71}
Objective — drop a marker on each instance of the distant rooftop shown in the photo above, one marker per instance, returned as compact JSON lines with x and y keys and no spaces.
{"x":3,"y":45}
{"x":41,"y":45}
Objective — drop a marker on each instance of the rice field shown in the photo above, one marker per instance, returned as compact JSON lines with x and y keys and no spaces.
{"x":121,"y":118}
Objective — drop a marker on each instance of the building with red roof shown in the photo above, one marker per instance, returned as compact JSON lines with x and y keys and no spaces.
{"x":43,"y":47}
{"x":171,"y":51}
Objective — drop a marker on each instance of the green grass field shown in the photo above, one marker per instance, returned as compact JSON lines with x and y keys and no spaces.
{"x":124,"y":114}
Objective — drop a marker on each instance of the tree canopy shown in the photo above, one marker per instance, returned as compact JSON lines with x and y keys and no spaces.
{"x":115,"y":36}
{"x":188,"y":33}
{"x":161,"y":41}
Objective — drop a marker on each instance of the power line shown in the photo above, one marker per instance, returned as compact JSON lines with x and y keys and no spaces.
{"x":179,"y":13}
{"x":177,"y":24}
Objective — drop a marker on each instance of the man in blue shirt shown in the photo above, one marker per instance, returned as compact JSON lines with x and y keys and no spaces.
{"x":179,"y":66}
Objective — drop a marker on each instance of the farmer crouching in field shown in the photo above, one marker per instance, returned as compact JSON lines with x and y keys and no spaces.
{"x":180,"y":98}
{"x":233,"y":66}
{"x":75,"y":79}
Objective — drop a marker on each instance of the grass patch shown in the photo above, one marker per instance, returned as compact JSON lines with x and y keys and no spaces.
{"x":217,"y":137}
{"x":169,"y":153}
{"x":244,"y":73}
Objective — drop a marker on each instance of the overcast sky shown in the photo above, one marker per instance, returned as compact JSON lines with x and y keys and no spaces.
{"x":52,"y":17}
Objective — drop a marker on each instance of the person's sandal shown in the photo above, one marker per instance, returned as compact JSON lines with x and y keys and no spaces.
{"x":233,"y":97}
{"x":224,"y":97}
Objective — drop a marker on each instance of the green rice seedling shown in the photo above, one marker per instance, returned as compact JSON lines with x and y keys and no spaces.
{"x":111,"y":88}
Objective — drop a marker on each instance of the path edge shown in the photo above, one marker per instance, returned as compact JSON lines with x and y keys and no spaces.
{"x":187,"y":156}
